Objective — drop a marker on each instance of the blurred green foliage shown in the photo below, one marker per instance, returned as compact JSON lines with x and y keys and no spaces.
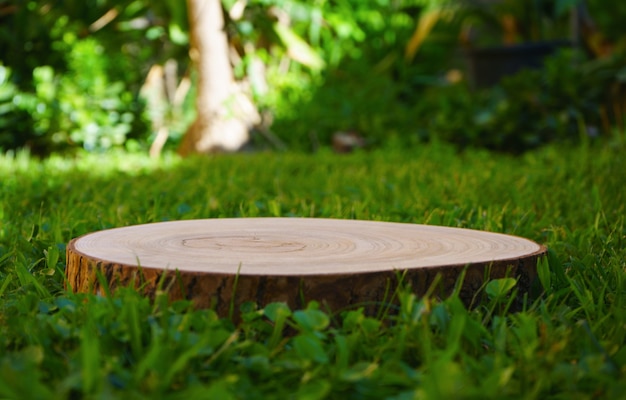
{"x":568,"y":100}
{"x":610,"y":19}
{"x":72,"y":73}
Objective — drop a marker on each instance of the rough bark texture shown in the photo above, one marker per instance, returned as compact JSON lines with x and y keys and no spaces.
{"x":337,"y":292}
{"x":224,"y":113}
{"x":340,"y":290}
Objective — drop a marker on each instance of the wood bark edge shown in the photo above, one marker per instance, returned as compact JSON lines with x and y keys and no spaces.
{"x":336,"y":291}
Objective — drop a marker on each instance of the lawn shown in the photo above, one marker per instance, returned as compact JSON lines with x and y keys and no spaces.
{"x":566,"y":342}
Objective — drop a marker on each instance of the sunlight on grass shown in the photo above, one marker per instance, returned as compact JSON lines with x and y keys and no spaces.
{"x":566,"y":341}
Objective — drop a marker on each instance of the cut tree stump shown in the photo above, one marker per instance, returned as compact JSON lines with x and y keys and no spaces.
{"x":340,"y":263}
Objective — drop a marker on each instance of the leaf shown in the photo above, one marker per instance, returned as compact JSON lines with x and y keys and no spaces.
{"x":500,"y":287}
{"x":298,"y":49}
{"x":359,"y":371}
{"x":309,"y":347}
{"x":424,"y":26}
{"x":311,"y":320}
{"x":178,"y":35}
{"x":5,"y":74}
{"x":314,"y":390}
{"x":440,"y":317}
{"x":371,"y":326}
{"x":178,"y":26}
{"x":556,"y":266}
{"x":52,"y":256}
{"x":90,"y":357}
{"x":353,"y":319}
{"x":275,"y":311}
{"x":221,"y":389}
{"x":543,"y":271}
{"x":342,"y":351}
{"x":563,"y":6}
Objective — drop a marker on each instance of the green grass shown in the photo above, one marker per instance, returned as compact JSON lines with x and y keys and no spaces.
{"x":568,"y":343}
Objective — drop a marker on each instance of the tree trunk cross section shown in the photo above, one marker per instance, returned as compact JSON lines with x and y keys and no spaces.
{"x":342,"y":263}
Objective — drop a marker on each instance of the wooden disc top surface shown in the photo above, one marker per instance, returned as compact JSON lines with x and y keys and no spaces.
{"x":297,"y":246}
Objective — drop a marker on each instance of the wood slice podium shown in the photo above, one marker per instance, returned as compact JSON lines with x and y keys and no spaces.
{"x":342,"y":263}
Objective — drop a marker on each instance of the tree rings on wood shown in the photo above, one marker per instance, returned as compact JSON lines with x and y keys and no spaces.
{"x":343,"y":263}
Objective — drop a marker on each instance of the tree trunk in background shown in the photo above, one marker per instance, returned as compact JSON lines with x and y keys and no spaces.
{"x":224,"y":113}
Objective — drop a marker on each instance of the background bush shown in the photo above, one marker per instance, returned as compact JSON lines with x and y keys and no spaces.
{"x":71,"y":78}
{"x":567,"y":100}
